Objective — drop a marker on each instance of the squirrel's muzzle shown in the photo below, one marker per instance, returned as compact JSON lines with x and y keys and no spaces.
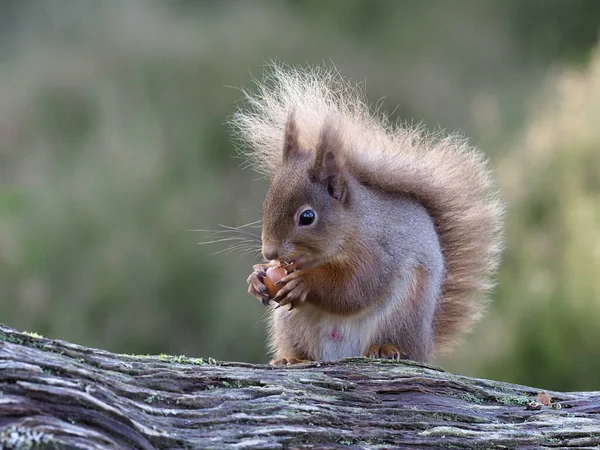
{"x":269,"y":252}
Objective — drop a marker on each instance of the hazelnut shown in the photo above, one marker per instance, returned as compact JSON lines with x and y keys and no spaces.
{"x":274,"y":274}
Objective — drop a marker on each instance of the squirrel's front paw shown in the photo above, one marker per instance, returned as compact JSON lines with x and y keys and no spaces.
{"x":294,"y":291}
{"x":256,"y":285}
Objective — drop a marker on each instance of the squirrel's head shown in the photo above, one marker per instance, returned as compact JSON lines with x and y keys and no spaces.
{"x":305,"y":214}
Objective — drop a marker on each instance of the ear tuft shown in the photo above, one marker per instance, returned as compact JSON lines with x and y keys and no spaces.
{"x":290,"y":139}
{"x":327,"y":167}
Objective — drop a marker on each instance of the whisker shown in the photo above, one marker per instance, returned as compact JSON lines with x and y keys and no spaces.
{"x":232,"y":230}
{"x":250,"y":223}
{"x":225,"y":234}
{"x":253,"y":252}
{"x":241,"y":240}
{"x":238,"y":229}
{"x":241,"y":246}
{"x":254,"y":224}
{"x":225,"y":251}
{"x":225,"y":239}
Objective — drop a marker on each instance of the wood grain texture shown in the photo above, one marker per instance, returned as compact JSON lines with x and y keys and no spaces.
{"x":58,"y":395}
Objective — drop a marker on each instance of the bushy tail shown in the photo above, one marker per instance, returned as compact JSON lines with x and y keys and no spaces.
{"x":447,"y":175}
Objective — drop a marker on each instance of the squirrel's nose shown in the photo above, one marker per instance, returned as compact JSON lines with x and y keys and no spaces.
{"x":269,"y":251}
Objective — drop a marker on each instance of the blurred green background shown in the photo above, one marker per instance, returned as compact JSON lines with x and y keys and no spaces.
{"x":113,"y":144}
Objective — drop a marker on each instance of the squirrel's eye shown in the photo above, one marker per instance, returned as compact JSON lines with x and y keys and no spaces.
{"x":306,"y":218}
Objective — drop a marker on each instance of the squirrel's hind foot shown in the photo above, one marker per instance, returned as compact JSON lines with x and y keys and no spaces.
{"x":386,"y":351}
{"x":287,"y":361}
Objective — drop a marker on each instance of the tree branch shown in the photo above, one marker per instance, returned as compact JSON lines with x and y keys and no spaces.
{"x":58,"y":395}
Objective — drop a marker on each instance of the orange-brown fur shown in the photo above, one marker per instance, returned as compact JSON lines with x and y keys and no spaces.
{"x":446,"y":175}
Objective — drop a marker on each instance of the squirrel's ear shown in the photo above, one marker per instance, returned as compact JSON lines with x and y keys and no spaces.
{"x":327,"y":168}
{"x":290,"y":139}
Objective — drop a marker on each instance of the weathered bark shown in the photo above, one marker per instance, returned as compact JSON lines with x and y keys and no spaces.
{"x":58,"y":395}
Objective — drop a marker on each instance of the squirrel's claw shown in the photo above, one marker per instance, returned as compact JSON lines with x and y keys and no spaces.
{"x":293,"y":293}
{"x":287,"y":361}
{"x":386,"y":351}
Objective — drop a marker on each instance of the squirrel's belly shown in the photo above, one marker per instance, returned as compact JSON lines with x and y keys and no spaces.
{"x":332,"y":337}
{"x":342,"y":337}
{"x":344,"y":347}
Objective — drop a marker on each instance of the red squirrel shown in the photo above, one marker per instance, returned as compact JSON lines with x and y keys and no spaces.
{"x":394,"y":234}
